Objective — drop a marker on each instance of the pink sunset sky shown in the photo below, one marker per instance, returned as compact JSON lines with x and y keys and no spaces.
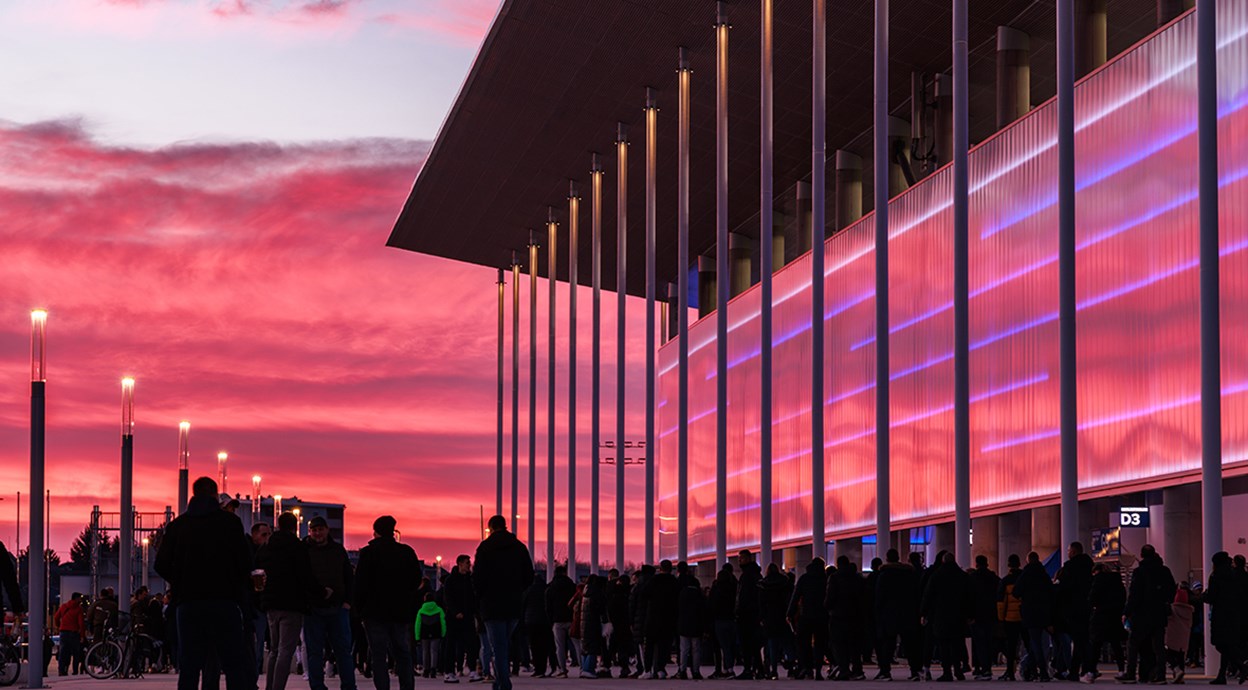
{"x":199,"y":192}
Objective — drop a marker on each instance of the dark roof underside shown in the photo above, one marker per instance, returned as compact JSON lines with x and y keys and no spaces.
{"x":555,"y":76}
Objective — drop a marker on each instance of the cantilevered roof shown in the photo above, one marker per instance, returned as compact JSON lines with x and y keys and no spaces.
{"x":553,"y":77}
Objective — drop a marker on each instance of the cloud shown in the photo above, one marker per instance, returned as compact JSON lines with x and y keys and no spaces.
{"x":246,"y":287}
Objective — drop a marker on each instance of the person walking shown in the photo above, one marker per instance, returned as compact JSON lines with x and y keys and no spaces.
{"x":386,"y":579}
{"x":1106,"y":599}
{"x":1035,"y":590}
{"x":461,"y":608}
{"x":637,"y":618}
{"x":723,"y":603}
{"x":430,"y":631}
{"x":947,"y":606}
{"x":329,"y":618}
{"x":70,"y":620}
{"x":896,"y":604}
{"x":984,"y":586}
{"x":773,"y":600}
{"x":289,"y":588}
{"x":620,"y":640}
{"x":810,"y":619}
{"x":1010,"y":613}
{"x":690,"y":617}
{"x":504,"y":570}
{"x":1227,"y":598}
{"x":559,"y":595}
{"x":1072,"y":619}
{"x":593,"y":618}
{"x":749,"y":617}
{"x":1148,"y":603}
{"x":660,"y":598}
{"x":536,"y":620}
{"x":203,"y":556}
{"x":845,"y":600}
{"x":255,"y":620}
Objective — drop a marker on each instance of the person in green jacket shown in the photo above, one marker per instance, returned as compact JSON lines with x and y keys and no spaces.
{"x":430,"y":629}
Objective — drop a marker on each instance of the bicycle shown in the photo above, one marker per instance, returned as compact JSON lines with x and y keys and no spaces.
{"x":10,"y":660}
{"x":122,"y":653}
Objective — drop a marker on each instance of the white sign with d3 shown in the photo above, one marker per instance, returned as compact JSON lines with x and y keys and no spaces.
{"x":1133,"y":517}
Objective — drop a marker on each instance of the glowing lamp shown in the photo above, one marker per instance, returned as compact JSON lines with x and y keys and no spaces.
{"x":184,"y":445}
{"x":38,"y":342}
{"x":127,"y":406}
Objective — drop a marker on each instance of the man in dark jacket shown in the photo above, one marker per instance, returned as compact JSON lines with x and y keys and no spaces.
{"x":461,"y":611}
{"x":1106,"y":599}
{"x":723,"y":609}
{"x":329,"y":618}
{"x":773,"y":601}
{"x":1072,"y":619}
{"x":984,"y":585}
{"x":504,"y":570}
{"x":8,"y":581}
{"x":845,"y":599}
{"x":749,"y":618}
{"x":810,"y":619}
{"x":1227,"y":597}
{"x":536,"y":622}
{"x":660,"y":597}
{"x":690,"y":615}
{"x":637,"y":617}
{"x":1035,"y":590}
{"x":897,"y":614}
{"x":1148,"y":601}
{"x":946,"y":608}
{"x":289,"y":588}
{"x":559,"y":612}
{"x":619,"y":591}
{"x":204,"y":558}
{"x":386,"y":580}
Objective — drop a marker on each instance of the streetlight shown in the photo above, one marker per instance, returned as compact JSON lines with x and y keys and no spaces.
{"x":277,"y":508}
{"x":298,"y":523}
{"x":146,"y":543}
{"x":222,"y":457}
{"x":184,"y":463}
{"x":125,"y":575}
{"x":255,"y":499}
{"x":437,"y":574}
{"x":38,"y":576}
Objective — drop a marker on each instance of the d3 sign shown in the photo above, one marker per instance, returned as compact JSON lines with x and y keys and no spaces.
{"x":1133,"y":517}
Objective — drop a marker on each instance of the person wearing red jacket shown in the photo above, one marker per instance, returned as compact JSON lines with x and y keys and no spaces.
{"x":70,"y":620}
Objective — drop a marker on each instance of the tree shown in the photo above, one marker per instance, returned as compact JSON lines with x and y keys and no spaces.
{"x":80,"y":551}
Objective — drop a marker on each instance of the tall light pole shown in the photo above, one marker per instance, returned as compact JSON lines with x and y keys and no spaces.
{"x":961,"y":290}
{"x":652,"y":116}
{"x":574,"y":221}
{"x":184,"y":464}
{"x":766,"y":230}
{"x":883,"y":529}
{"x":125,"y":557}
{"x":515,"y":391}
{"x":595,"y":336}
{"x":682,"y":317}
{"x":143,"y":578}
{"x":277,"y":508}
{"x":818,"y":209}
{"x":552,"y":280}
{"x":498,"y":498}
{"x":621,"y":293}
{"x":255,"y":499}
{"x":223,"y":459}
{"x":722,"y":283}
{"x":37,"y":575}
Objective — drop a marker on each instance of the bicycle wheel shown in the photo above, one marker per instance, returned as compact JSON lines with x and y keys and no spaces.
{"x":10,"y":665}
{"x":104,"y":659}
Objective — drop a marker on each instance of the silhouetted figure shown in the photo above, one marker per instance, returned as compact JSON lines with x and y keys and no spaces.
{"x":896,"y":604}
{"x":387,"y":579}
{"x":691,"y":616}
{"x":1072,"y":617}
{"x":810,"y":619}
{"x":749,"y":617}
{"x":773,"y":602}
{"x":504,"y":570}
{"x":984,"y":586}
{"x":947,"y":606}
{"x":204,"y":558}
{"x":1227,"y":598}
{"x":1106,"y":598}
{"x":1148,"y":602}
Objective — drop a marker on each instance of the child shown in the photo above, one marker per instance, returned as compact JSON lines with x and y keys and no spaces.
{"x":430,"y":629}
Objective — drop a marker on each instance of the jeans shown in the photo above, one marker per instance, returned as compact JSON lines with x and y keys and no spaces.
{"x":1013,"y":633}
{"x":463,"y":643}
{"x":70,"y":656}
{"x":260,"y":629}
{"x":499,"y":631}
{"x":487,"y":655}
{"x":1038,"y":651}
{"x":333,"y":625}
{"x":284,"y":627}
{"x":690,"y":654}
{"x":984,"y":651}
{"x":726,"y":636}
{"x":388,"y":639}
{"x":429,"y":651}
{"x":562,"y":632}
{"x":212,"y":628}
{"x":1149,"y":643}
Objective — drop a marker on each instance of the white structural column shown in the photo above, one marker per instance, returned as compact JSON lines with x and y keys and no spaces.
{"x":552,"y":281}
{"x":723,"y":285}
{"x":515,"y":390}
{"x":1210,"y":308}
{"x":574,"y":220}
{"x":961,"y":297}
{"x":1067,"y":313}
{"x":652,"y":113}
{"x":621,"y":296}
{"x":532,"y":496}
{"x":765,"y":232}
{"x":818,"y":192}
{"x":595,"y":393}
{"x":882,"y":168}
{"x":682,"y":317}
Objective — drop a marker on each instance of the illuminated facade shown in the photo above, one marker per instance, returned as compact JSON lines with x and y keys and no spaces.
{"x":1138,"y":301}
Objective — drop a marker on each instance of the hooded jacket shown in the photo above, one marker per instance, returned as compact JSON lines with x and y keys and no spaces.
{"x":948,"y":602}
{"x":808,"y":595}
{"x":1148,"y":598}
{"x":1035,"y":589}
{"x":503,"y":571}
{"x":748,"y":593}
{"x":559,"y":595}
{"x":288,"y":571}
{"x":690,"y":608}
{"x":896,"y":599}
{"x":204,"y":555}
{"x":429,"y":612}
{"x":846,"y":601}
{"x":330,"y":568}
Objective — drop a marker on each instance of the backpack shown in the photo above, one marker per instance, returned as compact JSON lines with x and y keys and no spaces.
{"x":430,"y":626}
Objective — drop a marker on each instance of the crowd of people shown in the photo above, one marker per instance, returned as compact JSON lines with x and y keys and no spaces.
{"x":492,"y":616}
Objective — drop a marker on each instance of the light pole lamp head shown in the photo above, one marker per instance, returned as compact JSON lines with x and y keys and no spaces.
{"x":184,"y":445}
{"x":127,"y":406}
{"x":38,"y":343}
